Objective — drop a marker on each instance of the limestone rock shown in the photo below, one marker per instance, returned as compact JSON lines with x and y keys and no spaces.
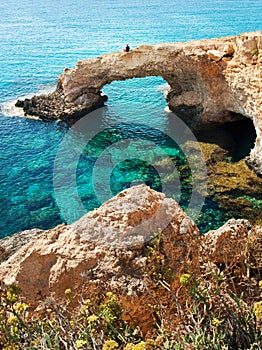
{"x":106,"y":249}
{"x":12,"y":243}
{"x":54,"y":106}
{"x":3,"y":254}
{"x":255,"y":247}
{"x":215,"y":55}
{"x":214,"y":80}
{"x":227,"y":243}
{"x":130,"y":218}
{"x":112,"y":249}
{"x":229,"y":50}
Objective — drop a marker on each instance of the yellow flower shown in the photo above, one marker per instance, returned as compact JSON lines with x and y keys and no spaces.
{"x":11,"y":347}
{"x":216,"y":322}
{"x":92,"y":319}
{"x":14,"y":289}
{"x":110,"y":345}
{"x":109,"y":317}
{"x":68,"y":292}
{"x":260,"y":284}
{"x":12,"y":293}
{"x":109,"y":294}
{"x":36,"y":343}
{"x":130,"y":347}
{"x":11,"y":297}
{"x":258,"y":309}
{"x":139,"y":346}
{"x":21,"y":307}
{"x":12,"y":319}
{"x":80,"y":343}
{"x":185,"y":278}
{"x":150,"y":342}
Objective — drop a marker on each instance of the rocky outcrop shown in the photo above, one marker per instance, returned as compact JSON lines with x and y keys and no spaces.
{"x":55,"y":107}
{"x":215,"y":80}
{"x":128,"y":245}
{"x":11,"y":244}
{"x":108,"y":249}
{"x":232,"y":245}
{"x":223,"y":245}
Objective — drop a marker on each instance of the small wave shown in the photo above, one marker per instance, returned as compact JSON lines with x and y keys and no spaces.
{"x":164,"y":88}
{"x":167,"y":109}
{"x":9,"y":109}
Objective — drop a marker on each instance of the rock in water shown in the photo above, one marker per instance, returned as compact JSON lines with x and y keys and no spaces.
{"x":211,"y":81}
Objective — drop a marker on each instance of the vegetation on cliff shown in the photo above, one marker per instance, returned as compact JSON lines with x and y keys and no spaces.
{"x":218,"y":308}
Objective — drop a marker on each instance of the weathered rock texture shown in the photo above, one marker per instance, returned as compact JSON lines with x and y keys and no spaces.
{"x":216,"y":80}
{"x":223,"y":245}
{"x":233,"y":244}
{"x":10,"y":244}
{"x":107,"y":249}
{"x":110,"y":249}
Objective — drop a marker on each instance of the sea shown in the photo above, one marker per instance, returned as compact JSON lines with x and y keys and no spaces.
{"x":38,"y":39}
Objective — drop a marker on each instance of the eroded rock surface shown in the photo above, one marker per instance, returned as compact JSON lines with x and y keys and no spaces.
{"x":55,"y":107}
{"x":231,"y":246}
{"x":112,"y":249}
{"x":11,"y":244}
{"x":215,"y":80}
{"x":221,"y":246}
{"x":108,"y":249}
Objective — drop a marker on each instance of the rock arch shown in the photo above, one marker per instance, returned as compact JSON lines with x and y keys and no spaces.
{"x":215,"y":80}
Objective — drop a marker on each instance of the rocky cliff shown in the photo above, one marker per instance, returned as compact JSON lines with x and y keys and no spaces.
{"x":128,"y":245}
{"x":216,"y":80}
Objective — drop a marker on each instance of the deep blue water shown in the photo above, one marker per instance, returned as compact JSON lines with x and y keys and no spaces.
{"x":39,"y":39}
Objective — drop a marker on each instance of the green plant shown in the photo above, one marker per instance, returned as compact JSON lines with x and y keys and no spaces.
{"x":94,"y":324}
{"x":158,"y":265}
{"x":219,"y":313}
{"x":218,"y":309}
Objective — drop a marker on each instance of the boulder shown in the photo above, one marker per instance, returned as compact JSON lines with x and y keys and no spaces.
{"x":137,"y":244}
{"x":132,"y":240}
{"x":224,"y":245}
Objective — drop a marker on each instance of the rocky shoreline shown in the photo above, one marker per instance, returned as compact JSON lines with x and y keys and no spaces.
{"x":211,"y":81}
{"x":126,"y":246}
{"x":54,"y":106}
{"x":139,"y":240}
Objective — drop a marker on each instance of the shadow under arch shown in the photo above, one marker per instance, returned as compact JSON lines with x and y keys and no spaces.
{"x":237,"y":132}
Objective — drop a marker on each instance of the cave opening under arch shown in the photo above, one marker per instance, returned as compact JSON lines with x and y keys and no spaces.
{"x":239,"y":132}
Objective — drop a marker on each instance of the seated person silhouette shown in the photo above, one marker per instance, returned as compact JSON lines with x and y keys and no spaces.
{"x":127,"y":48}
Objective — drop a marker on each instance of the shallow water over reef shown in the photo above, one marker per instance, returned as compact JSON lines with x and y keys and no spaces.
{"x":39,"y":39}
{"x":235,"y":188}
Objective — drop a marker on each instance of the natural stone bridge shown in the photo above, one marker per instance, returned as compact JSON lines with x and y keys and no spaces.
{"x":211,"y":81}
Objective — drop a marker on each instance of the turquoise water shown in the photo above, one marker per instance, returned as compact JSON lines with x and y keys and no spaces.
{"x":39,"y":39}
